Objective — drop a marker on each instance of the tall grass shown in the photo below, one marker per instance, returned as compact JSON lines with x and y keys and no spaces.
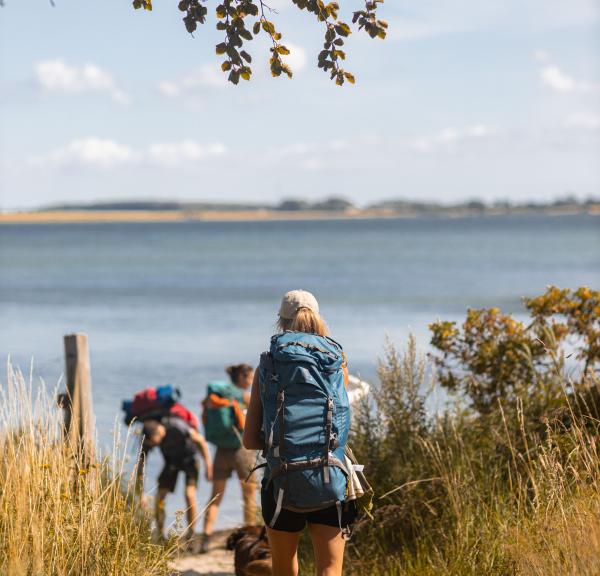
{"x":58,"y":517}
{"x":460,"y":493}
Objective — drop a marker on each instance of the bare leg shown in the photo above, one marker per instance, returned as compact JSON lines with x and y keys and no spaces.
{"x":159,"y":510}
{"x":328,"y":545}
{"x":213,"y":508}
{"x":284,"y":548}
{"x":249,"y":495}
{"x":192,"y":508}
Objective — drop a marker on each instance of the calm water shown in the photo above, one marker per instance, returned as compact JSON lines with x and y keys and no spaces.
{"x":176,"y":302}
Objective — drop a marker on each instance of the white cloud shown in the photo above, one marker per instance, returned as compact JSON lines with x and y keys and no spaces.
{"x":210,"y":75}
{"x":174,"y":153}
{"x":105,"y":153}
{"x":583,"y":120}
{"x":406,"y":29}
{"x":207,"y":76}
{"x":296,"y":59}
{"x":338,"y":144}
{"x":451,"y":136}
{"x":560,"y":81}
{"x":313,"y":164}
{"x":58,"y":76}
{"x":93,"y":152}
{"x":557,"y":80}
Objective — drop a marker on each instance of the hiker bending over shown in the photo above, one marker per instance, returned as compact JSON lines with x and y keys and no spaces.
{"x":179,"y":444}
{"x":299,"y":414}
{"x":223,"y":417}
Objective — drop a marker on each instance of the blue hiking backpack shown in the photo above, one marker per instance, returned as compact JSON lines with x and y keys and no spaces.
{"x":306,"y":420}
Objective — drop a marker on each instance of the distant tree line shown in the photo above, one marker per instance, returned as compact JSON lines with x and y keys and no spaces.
{"x":343,"y":205}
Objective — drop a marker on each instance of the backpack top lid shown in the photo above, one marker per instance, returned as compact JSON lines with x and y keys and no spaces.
{"x":225,"y":389}
{"x":322,"y":351}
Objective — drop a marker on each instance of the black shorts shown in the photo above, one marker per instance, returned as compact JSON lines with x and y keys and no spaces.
{"x":170,"y":472}
{"x":289,"y":521}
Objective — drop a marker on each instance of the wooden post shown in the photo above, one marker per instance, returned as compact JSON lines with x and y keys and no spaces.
{"x":79,"y":412}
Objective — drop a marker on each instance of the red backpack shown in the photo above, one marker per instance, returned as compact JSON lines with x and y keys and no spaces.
{"x":182,"y":412}
{"x":154,"y":403}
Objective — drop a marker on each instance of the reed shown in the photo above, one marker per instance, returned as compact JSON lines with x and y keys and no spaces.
{"x":461,"y":493}
{"x":58,"y":517}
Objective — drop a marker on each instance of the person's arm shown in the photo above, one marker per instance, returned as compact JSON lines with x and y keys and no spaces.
{"x":345,"y":370}
{"x":252,"y":439}
{"x":201,"y":442}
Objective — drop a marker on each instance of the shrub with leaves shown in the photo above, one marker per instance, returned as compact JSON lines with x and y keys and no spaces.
{"x":510,"y":490}
{"x":494,"y":357}
{"x":242,"y":20}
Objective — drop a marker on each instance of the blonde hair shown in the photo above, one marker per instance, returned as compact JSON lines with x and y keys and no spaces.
{"x":305,"y":320}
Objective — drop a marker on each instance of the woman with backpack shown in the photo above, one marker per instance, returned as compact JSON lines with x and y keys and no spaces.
{"x":223,"y":417}
{"x":299,"y":416}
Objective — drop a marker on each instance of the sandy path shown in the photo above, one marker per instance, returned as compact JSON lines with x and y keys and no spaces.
{"x":217,"y":562}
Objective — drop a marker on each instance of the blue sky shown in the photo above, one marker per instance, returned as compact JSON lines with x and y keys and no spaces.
{"x":496,"y":99}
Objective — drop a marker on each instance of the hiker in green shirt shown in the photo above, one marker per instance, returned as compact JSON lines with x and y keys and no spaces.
{"x":223,"y":417}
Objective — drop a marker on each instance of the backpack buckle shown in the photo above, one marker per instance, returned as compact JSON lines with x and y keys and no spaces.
{"x":333,"y":441}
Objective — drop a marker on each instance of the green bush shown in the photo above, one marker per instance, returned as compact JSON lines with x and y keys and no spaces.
{"x":505,"y":479}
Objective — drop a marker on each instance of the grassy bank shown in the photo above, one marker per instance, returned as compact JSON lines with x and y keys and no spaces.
{"x":57,"y":516}
{"x":505,"y":479}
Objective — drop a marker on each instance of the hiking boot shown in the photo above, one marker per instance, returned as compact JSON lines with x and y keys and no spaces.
{"x":204,"y":542}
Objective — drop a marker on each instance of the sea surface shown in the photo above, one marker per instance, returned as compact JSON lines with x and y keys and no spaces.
{"x":177,"y":302}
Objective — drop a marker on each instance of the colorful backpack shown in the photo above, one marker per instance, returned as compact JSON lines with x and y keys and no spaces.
{"x":222,"y":415}
{"x":306,"y":420}
{"x":155,"y":403}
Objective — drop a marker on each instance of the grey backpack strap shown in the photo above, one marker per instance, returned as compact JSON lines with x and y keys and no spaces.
{"x":278,"y":507}
{"x":279,"y":450}
{"x":346,"y":532}
{"x":328,"y":424}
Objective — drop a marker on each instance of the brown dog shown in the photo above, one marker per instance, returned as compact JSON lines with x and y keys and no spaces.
{"x":252,"y":552}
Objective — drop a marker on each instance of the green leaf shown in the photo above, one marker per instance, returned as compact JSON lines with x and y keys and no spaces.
{"x":268,"y":27}
{"x":190,"y":24}
{"x":342,"y":29}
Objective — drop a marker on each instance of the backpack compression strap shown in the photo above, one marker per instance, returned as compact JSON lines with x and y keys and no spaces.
{"x":279,"y":450}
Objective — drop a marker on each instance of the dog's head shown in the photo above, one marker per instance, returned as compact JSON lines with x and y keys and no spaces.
{"x":252,"y":533}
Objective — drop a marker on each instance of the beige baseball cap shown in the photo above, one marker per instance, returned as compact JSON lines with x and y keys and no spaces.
{"x":294,"y":300}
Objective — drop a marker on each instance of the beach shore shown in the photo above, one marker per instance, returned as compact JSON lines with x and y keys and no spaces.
{"x":95,"y":216}
{"x":83,"y":216}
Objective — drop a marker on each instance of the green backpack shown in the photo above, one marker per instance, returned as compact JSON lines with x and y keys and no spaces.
{"x":220,"y":425}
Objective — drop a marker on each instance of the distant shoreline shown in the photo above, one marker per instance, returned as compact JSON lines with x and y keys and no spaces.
{"x":100,"y":216}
